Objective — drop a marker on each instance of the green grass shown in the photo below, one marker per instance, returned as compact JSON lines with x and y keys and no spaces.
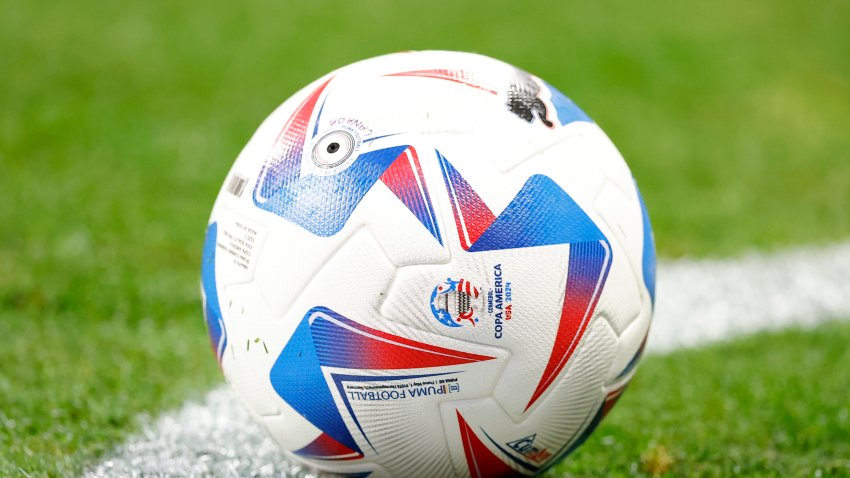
{"x":765,"y":405}
{"x":67,"y":395}
{"x":118,"y":122}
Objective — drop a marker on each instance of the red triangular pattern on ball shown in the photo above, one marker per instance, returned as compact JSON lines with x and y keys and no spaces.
{"x":481,"y":461}
{"x":463,"y":77}
{"x":326,"y":448}
{"x":611,"y":400}
{"x":342,"y":342}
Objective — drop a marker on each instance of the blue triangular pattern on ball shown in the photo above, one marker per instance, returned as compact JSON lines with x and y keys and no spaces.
{"x":541,"y":214}
{"x":297,"y":377}
{"x":566,"y":110}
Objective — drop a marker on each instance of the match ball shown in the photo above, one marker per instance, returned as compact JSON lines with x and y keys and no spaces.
{"x":429,"y":264}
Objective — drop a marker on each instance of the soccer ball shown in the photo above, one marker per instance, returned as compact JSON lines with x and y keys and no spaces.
{"x":429,"y":264}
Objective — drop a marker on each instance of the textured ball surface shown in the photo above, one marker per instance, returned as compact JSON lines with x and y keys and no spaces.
{"x":429,"y":264}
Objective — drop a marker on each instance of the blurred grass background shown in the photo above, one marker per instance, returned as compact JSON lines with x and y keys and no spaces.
{"x":119,"y":120}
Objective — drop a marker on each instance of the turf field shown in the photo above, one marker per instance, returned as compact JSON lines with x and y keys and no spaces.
{"x":765,"y":405}
{"x":118,"y":122}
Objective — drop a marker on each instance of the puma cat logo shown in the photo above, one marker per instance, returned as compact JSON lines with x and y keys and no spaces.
{"x":524,"y":102}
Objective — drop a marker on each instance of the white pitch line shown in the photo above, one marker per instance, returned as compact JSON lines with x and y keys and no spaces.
{"x":699,"y":301}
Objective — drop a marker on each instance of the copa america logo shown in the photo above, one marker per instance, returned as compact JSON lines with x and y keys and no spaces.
{"x":456,"y":303}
